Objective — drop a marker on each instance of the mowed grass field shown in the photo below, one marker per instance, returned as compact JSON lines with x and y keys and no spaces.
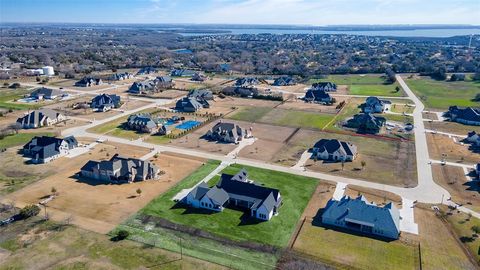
{"x":281,"y":117}
{"x":348,"y":251}
{"x":443,"y":94}
{"x":364,"y":85}
{"x":20,"y":139}
{"x":462,"y":225}
{"x":7,"y":96}
{"x":295,"y":190}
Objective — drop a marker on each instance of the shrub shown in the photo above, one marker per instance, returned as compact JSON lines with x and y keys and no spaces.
{"x":29,"y":211}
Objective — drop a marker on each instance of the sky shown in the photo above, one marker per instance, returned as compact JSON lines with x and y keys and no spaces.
{"x":299,"y":12}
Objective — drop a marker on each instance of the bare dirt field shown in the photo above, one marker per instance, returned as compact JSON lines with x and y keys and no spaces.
{"x":98,"y":206}
{"x":451,"y":127}
{"x":170,"y":94}
{"x":319,"y":199}
{"x":386,"y":161}
{"x":298,"y":104}
{"x":379,"y":197}
{"x":430,"y":116}
{"x":453,"y":179}
{"x":454,"y":151}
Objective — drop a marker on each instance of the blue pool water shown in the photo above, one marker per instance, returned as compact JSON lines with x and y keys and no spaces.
{"x":188,"y":124}
{"x":169,"y":123}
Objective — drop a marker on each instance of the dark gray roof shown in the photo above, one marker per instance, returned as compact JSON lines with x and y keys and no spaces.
{"x":363,"y":212}
{"x":104,"y":99}
{"x":469,"y":113}
{"x":317,"y":95}
{"x":333,"y":145}
{"x":47,"y":92}
{"x":124,"y":165}
{"x":199,"y":191}
{"x":218,"y":195}
{"x":324,"y":86}
{"x":188,"y":104}
{"x":37,"y":115}
{"x":44,"y":146}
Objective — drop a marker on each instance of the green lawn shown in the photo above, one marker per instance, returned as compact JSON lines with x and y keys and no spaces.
{"x":375,"y":90}
{"x":443,"y":94}
{"x":20,"y":139}
{"x":295,"y":190}
{"x":7,"y":96}
{"x":250,"y":114}
{"x":347,"y":251}
{"x":293,"y":118}
{"x":352,"y":79}
{"x":462,"y":225}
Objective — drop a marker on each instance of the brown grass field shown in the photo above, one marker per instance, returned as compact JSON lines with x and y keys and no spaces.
{"x":451,"y":127}
{"x":97,"y":206}
{"x":455,"y":152}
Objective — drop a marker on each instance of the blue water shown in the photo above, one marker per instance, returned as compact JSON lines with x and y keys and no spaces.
{"x":393,"y":33}
{"x":169,"y":123}
{"x":188,"y":124}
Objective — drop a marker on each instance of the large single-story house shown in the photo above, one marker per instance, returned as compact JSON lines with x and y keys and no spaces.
{"x":88,"y":81}
{"x":121,"y":76}
{"x":467,"y":116}
{"x":142,"y":123}
{"x":151,"y":86}
{"x":201,"y":93}
{"x":376,"y":105}
{"x":246,"y":82}
{"x":45,"y":149}
{"x":324,"y":86}
{"x":190,"y":104}
{"x":46,"y":93}
{"x":182,"y":73}
{"x":361,"y":216}
{"x":198,"y":77}
{"x":284,"y":81}
{"x":366,"y":123}
{"x":473,"y":138}
{"x":236,"y":191}
{"x":334,"y":150}
{"x":240,"y":91}
{"x":105,"y":102}
{"x":119,"y":169}
{"x":147,"y":70}
{"x":317,"y":96}
{"x":227,"y":132}
{"x":40,"y":118}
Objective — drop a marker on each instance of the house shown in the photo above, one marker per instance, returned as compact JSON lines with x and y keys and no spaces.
{"x":144,"y":123}
{"x":234,"y":190}
{"x":366,"y":123}
{"x":105,"y":102}
{"x":477,"y":170}
{"x":120,"y":170}
{"x":361,"y":216}
{"x":324,"y":86}
{"x":467,"y":116}
{"x":142,"y":87}
{"x":40,"y":118}
{"x":164,"y":82}
{"x":164,"y":130}
{"x":334,"y":150}
{"x":46,"y":93}
{"x":198,"y":77}
{"x":246,"y":82}
{"x":227,"y":132}
{"x":317,"y":96}
{"x":147,"y":70}
{"x":88,"y":82}
{"x":121,"y":76}
{"x":473,"y":138}
{"x":201,"y":93}
{"x":43,"y":149}
{"x":376,"y":105}
{"x":182,"y":73}
{"x":190,"y":104}
{"x":240,"y":91}
{"x":284,"y":81}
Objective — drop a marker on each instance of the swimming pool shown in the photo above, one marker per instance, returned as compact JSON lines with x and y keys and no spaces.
{"x":188,"y":124}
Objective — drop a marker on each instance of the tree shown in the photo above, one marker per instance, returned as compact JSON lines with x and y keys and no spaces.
{"x":477,"y":97}
{"x":475,"y":229}
{"x":476,"y":76}
{"x":439,"y":74}
{"x":29,"y":211}
{"x":54,"y":191}
{"x":343,"y":164}
{"x":363,"y":163}
{"x":121,"y":235}
{"x":139,"y":192}
{"x":457,"y":77}
{"x":397,"y":89}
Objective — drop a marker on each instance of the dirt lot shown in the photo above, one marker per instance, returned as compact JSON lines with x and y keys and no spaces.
{"x":298,"y":104}
{"x":430,"y":116}
{"x":320,"y":197}
{"x":379,"y":197}
{"x":456,"y":152}
{"x":96,"y":206}
{"x":453,"y":179}
{"x":451,"y":127}
{"x":170,"y":94}
{"x":388,"y":162}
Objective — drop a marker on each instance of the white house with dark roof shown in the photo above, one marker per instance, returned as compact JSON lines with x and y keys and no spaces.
{"x":376,"y":105}
{"x":40,"y":118}
{"x":324,"y":86}
{"x":88,"y":82}
{"x":246,"y":82}
{"x":361,"y":216}
{"x":43,"y":149}
{"x":334,"y":150}
{"x":284,"y":81}
{"x":46,"y":93}
{"x":473,"y":138}
{"x":227,"y":132}
{"x":234,"y":190}
{"x":317,"y":96}
{"x":143,"y":123}
{"x":104,"y":102}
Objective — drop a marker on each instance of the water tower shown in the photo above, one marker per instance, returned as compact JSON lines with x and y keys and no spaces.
{"x":48,"y":71}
